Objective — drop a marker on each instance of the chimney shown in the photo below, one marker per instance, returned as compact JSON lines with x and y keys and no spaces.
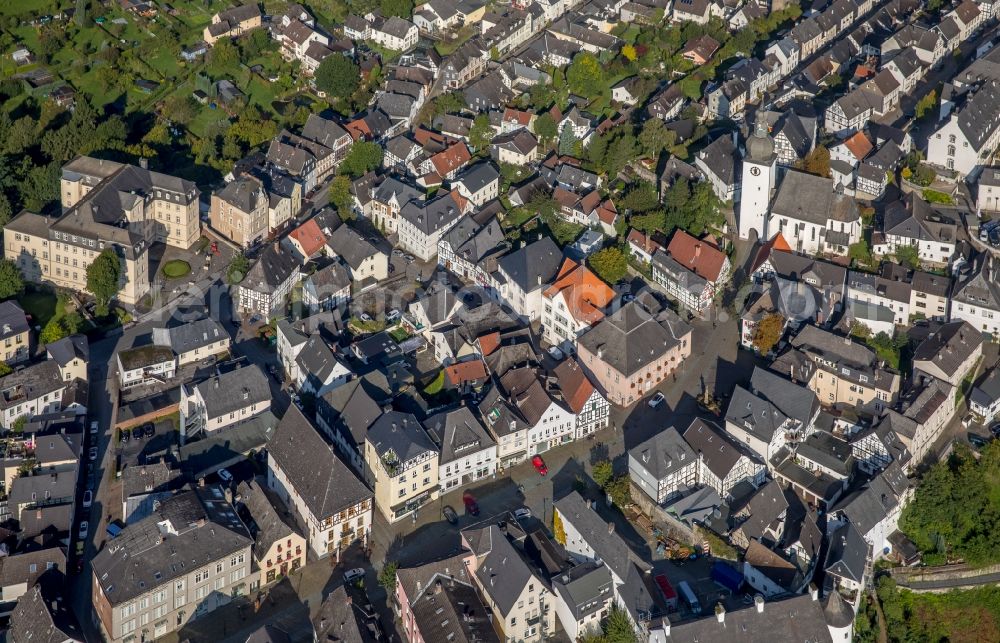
{"x":813,"y":592}
{"x":201,"y":482}
{"x":438,"y":587}
{"x":611,"y":527}
{"x":720,"y":613}
{"x":144,"y":163}
{"x":758,"y":601}
{"x":645,"y":455}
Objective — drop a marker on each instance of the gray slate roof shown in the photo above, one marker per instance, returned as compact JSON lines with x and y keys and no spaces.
{"x":458,"y":432}
{"x":630,"y":338}
{"x":319,"y":477}
{"x":400,"y":433}
{"x":533,"y":265}
{"x":202,"y":528}
{"x":234,"y":390}
{"x":608,"y":545}
{"x":190,"y":336}
{"x":847,"y":554}
{"x":348,"y":244}
{"x":789,"y":620}
{"x":663,"y":454}
{"x":266,"y":525}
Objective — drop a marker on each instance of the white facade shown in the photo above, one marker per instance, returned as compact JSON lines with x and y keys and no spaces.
{"x":557,"y":426}
{"x":755,"y":198}
{"x":470,"y":467}
{"x":594,"y":415}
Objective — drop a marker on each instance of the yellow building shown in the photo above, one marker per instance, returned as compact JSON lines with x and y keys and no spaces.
{"x":401,"y":464}
{"x":104,"y":204}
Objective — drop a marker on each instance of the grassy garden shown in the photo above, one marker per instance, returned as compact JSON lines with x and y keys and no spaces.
{"x":176,"y":269}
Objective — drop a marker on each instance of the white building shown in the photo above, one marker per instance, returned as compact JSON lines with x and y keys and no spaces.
{"x":330,"y":500}
{"x":468,"y":453}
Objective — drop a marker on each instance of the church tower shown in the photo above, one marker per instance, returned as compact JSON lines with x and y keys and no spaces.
{"x":758,"y":181}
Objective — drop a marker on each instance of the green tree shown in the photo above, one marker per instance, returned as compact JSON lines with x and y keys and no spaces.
{"x":11,"y":281}
{"x":5,"y":369}
{"x":908,"y":256}
{"x":338,"y":76}
{"x":567,"y":140}
{"x":401,"y":8}
{"x":604,"y":472}
{"x":341,"y":198}
{"x":80,"y":15}
{"x":655,"y":137}
{"x":585,"y":75}
{"x":387,"y":576}
{"x":926,"y":105}
{"x":224,"y":58}
{"x":40,"y":187}
{"x":641,"y":197}
{"x":859,"y":253}
{"x":17,"y":426}
{"x":609,"y":264}
{"x":103,"y":276}
{"x":692,"y":207}
{"x":545,"y":128}
{"x":768,"y":332}
{"x":817,"y":162}
{"x":618,"y":627}
{"x":238,"y":268}
{"x":181,"y":107}
{"x":363,"y":157}
{"x":481,"y":133}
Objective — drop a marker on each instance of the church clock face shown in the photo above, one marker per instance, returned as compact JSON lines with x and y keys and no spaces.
{"x":755,"y":171}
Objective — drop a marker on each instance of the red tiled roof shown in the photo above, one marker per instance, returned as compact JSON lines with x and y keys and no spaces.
{"x":575,"y":386}
{"x":309,"y":237}
{"x":607,"y":212}
{"x":462,"y":372}
{"x":777,"y":242}
{"x":695,"y":255}
{"x":859,"y":145}
{"x":489,"y":343}
{"x":511,"y":115}
{"x":451,"y":159}
{"x":584,"y":292}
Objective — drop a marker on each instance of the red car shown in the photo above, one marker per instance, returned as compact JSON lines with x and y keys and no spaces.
{"x":539,"y":464}
{"x":471,"y":506}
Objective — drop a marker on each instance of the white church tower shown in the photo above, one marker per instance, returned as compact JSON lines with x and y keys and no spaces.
{"x":758,"y":181}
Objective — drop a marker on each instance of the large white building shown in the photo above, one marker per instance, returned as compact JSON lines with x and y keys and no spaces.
{"x":759,"y":172}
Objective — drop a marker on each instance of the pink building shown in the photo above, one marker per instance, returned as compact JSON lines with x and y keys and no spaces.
{"x":631,"y":351}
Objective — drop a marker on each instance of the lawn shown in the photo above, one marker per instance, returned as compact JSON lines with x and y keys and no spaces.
{"x":23,"y":7}
{"x":41,"y":305}
{"x":436,"y":384}
{"x":934,"y":196}
{"x":176,"y":269}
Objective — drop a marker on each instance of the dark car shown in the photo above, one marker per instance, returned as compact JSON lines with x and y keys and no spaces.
{"x":148,"y":429}
{"x":124,"y":435}
{"x":450,"y":515}
{"x":137,"y":433}
{"x":471,"y":506}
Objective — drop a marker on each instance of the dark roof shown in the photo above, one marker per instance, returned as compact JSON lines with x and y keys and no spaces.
{"x":533,"y":265}
{"x":12,"y":320}
{"x":42,"y":615}
{"x":764,"y":509}
{"x":950,"y":347}
{"x":722,"y":158}
{"x":274,"y":266}
{"x":663,"y":454}
{"x":631,"y":337}
{"x":191,"y":336}
{"x":245,"y":193}
{"x":348,"y":244}
{"x":790,"y":620}
{"x":399,"y":433}
{"x":794,"y":401}
{"x":453,"y":612}
{"x":265,"y":524}
{"x":719,"y":451}
{"x":195,"y":527}
{"x":607,"y":544}
{"x":586,"y":589}
{"x":319,"y":477}
{"x":342,"y":620}
{"x":458,"y":433}
{"x":67,"y":349}
{"x":847,"y":555}
{"x":234,"y":390}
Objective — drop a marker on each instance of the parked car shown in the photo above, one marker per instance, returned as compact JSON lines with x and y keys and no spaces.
{"x":93,"y":453}
{"x":471,"y":506}
{"x":137,"y":433}
{"x":393,"y":316}
{"x":365,"y":317}
{"x":148,"y":430}
{"x":352,"y":575}
{"x":93,"y":427}
{"x":522,"y":513}
{"x":656,"y":400}
{"x":539,"y":464}
{"x":450,"y":515}
{"x":556,"y":353}
{"x":124,"y":435}
{"x":88,"y":498}
{"x":225,"y":476}
{"x":84,"y":530}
